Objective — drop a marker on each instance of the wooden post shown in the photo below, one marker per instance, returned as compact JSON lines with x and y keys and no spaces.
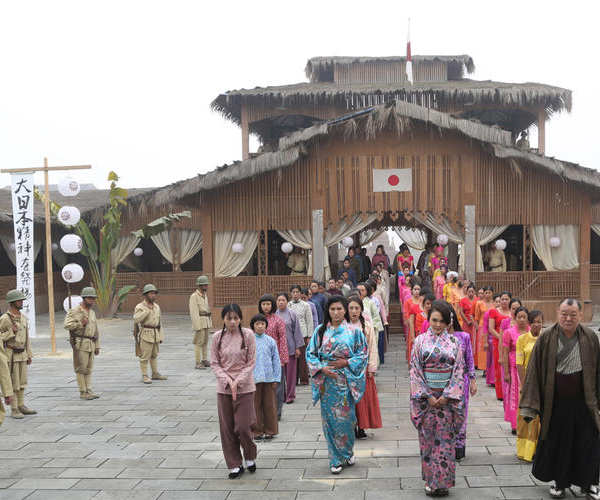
{"x":318,"y":245}
{"x":207,"y":247}
{"x":245,"y":133}
{"x":585,"y":235}
{"x":542,"y":131}
{"x":49,"y":273}
{"x":470,"y":246}
{"x":49,"y":276}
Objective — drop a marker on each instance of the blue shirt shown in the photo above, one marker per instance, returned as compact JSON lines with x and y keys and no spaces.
{"x":319,"y":300}
{"x":351,"y":274}
{"x":268,"y":366}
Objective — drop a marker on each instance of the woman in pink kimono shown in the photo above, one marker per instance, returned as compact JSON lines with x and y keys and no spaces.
{"x":436,"y":399}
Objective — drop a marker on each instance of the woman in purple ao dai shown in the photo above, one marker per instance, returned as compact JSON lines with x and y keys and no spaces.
{"x":436,"y":398}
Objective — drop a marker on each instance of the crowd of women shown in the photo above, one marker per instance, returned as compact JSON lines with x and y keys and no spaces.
{"x":451,"y":330}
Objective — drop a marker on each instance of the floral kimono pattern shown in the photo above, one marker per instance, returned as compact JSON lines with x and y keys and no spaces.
{"x":438,"y":428}
{"x":338,"y":396}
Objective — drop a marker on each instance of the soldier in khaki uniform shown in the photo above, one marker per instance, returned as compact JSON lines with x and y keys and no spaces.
{"x":147,"y":316}
{"x":5,"y":383}
{"x":85,"y":340}
{"x":14,"y":333}
{"x":201,"y":321}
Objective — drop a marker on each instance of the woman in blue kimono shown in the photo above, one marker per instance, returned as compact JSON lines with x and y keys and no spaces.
{"x":337,"y":358}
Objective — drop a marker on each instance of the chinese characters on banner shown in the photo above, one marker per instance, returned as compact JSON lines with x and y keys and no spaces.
{"x":22,"y":204}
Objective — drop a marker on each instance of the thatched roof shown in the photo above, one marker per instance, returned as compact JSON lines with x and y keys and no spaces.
{"x":398,"y":115}
{"x":316,"y":66}
{"x":86,"y":201}
{"x":360,"y":95}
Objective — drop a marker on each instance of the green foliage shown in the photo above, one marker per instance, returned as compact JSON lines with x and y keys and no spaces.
{"x":98,"y":256}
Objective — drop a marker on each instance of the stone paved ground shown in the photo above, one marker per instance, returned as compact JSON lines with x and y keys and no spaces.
{"x":161,"y":441}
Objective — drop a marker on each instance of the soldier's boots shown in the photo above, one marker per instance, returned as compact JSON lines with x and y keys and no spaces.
{"x":206,"y":363}
{"x":26,"y":411}
{"x":92,"y":394}
{"x":15,"y":413}
{"x":85,"y":395}
{"x":146,"y":379}
{"x":158,"y":376}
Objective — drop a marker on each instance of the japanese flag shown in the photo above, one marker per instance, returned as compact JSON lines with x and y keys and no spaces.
{"x":395,"y":179}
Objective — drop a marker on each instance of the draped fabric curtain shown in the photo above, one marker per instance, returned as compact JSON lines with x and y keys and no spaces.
{"x":345,"y":228}
{"x":413,"y":237}
{"x":563,"y":258}
{"x":486,"y":234}
{"x":125,"y":245}
{"x":301,"y":238}
{"x":163,"y":243}
{"x":228,"y":263}
{"x":444,"y":227}
{"x":370,"y":234}
{"x":596,"y":228}
{"x":190,"y":243}
{"x":7,"y":240}
{"x":58,"y":255}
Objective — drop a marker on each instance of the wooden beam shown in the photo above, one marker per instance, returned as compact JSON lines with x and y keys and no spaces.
{"x":542,"y":131}
{"x":43,"y":169}
{"x":245,"y":133}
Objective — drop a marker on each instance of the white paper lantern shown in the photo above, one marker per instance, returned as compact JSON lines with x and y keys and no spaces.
{"x":500,"y":244}
{"x":348,"y":242}
{"x":11,"y":247}
{"x":68,"y":186}
{"x":287,"y":247}
{"x":237,"y":248}
{"x":442,"y":239}
{"x":71,"y":243}
{"x":554,"y":242}
{"x":72,"y":273}
{"x":138,"y":252}
{"x":75,"y":301}
{"x":54,"y":247}
{"x":69,"y":216}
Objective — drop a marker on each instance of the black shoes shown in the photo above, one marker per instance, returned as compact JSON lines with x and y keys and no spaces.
{"x":235,"y":475}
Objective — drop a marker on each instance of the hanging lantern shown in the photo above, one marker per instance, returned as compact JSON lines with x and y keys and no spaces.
{"x":72,"y":273}
{"x":554,"y":242}
{"x":71,"y":243}
{"x":500,"y":244}
{"x":69,"y":216}
{"x":54,"y":247}
{"x":237,"y":248}
{"x":75,"y":301}
{"x":68,"y":186}
{"x":287,"y":247}
{"x":348,"y":242}
{"x":442,"y":239}
{"x":138,"y":252}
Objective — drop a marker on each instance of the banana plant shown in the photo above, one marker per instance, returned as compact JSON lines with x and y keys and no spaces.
{"x":98,"y":256}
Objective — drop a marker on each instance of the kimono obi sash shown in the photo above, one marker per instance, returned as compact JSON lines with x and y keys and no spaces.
{"x":437,"y":378}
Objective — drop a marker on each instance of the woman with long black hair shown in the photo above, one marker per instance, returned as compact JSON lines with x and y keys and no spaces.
{"x":337,"y":357}
{"x":233,"y":356}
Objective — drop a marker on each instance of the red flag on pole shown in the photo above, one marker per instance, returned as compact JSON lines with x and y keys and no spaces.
{"x":409,"y":71}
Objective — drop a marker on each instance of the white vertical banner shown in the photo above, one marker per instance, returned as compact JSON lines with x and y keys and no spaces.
{"x":22,"y":204}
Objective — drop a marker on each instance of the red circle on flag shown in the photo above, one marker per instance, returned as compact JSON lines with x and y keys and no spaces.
{"x":393,"y":180}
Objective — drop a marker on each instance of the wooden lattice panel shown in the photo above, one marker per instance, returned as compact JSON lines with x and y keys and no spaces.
{"x":595,"y":275}
{"x":534,"y":285}
{"x":246,"y":290}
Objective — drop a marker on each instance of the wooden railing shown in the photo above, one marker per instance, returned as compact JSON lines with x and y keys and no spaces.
{"x":532,"y":285}
{"x":180,"y":283}
{"x":595,"y":275}
{"x":60,"y":287}
{"x":248,"y":289}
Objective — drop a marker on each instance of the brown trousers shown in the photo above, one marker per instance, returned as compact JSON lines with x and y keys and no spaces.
{"x":265,"y":405}
{"x":302,"y":366}
{"x":236,"y":419}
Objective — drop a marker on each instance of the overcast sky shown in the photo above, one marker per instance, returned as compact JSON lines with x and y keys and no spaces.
{"x":126,"y":85}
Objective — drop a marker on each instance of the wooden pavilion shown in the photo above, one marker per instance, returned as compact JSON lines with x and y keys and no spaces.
{"x":311,"y":183}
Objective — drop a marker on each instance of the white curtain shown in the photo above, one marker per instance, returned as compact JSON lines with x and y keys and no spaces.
{"x":190,"y":243}
{"x":563,"y":258}
{"x":301,"y":238}
{"x":7,"y":240}
{"x":58,"y":255}
{"x":444,"y":227}
{"x":228,"y":263}
{"x":163,"y":243}
{"x":125,"y":245}
{"x":348,"y":227}
{"x":413,"y":237}
{"x":370,"y":234}
{"x":596,"y":228}
{"x":485,"y":234}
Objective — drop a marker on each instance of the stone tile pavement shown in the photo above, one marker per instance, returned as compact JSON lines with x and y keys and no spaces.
{"x":161,"y":441}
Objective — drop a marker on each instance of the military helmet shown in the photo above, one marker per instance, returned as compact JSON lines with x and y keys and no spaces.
{"x":88,"y":291}
{"x":14,"y":295}
{"x":202,"y":280}
{"x":149,"y":288}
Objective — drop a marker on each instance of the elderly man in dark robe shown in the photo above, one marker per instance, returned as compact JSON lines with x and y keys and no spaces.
{"x":562,"y":386}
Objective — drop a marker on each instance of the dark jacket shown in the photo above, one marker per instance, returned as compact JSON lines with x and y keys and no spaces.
{"x":537,"y":395}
